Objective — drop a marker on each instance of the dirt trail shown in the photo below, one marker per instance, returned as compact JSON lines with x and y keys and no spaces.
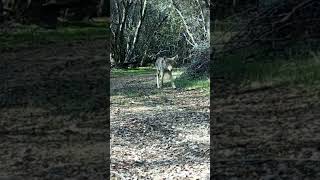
{"x":52,"y":116}
{"x":267,"y":133}
{"x":158,"y":134}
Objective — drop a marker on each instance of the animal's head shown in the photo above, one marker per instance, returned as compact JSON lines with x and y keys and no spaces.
{"x":176,"y":57}
{"x":173,"y":59}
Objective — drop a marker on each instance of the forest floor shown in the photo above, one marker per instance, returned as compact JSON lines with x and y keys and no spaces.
{"x":53,"y":121}
{"x":53,"y":118}
{"x":266,"y":132}
{"x":158,"y":133}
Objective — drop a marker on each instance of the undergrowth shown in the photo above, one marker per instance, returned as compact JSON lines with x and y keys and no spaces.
{"x":303,"y":69}
{"x":132,"y":71}
{"x":26,"y":35}
{"x":189,"y":83}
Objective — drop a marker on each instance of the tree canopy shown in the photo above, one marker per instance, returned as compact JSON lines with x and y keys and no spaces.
{"x":146,"y":29}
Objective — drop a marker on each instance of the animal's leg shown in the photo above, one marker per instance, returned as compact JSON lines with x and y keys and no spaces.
{"x":161,"y":74}
{"x":158,"y":86}
{"x":171,"y":79}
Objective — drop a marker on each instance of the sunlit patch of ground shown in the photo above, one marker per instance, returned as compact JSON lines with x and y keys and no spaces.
{"x":159,"y":134}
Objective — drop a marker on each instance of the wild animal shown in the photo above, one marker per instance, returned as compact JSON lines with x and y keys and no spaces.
{"x":165,"y":65}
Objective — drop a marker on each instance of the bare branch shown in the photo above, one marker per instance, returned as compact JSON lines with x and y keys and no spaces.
{"x":193,"y":43}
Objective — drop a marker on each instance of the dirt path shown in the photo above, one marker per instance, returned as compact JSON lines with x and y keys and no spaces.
{"x":52,"y":111}
{"x":268,"y":133}
{"x":158,"y":134}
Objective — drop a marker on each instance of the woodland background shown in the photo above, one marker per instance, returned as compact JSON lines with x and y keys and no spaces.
{"x":262,"y":57}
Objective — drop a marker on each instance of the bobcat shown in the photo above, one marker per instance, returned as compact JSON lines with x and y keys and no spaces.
{"x":165,"y":65}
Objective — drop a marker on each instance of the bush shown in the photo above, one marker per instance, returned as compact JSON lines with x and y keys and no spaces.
{"x":200,"y":62}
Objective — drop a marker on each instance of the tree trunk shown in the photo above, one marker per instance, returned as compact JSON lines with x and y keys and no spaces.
{"x":120,"y":41}
{"x":1,"y":12}
{"x":138,"y":29}
{"x":101,"y":8}
{"x":192,"y":42}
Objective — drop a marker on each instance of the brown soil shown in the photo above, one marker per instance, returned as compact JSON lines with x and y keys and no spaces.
{"x":53,"y":121}
{"x":266,"y":133}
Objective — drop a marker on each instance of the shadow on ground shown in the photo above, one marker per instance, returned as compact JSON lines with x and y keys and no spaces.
{"x":53,"y":116}
{"x":266,"y":133}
